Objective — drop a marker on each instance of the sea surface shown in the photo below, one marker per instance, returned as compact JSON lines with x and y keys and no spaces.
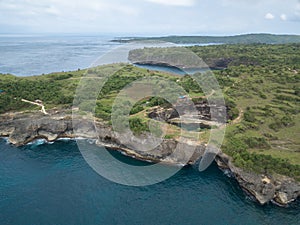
{"x":53,"y":184}
{"x":25,"y":55}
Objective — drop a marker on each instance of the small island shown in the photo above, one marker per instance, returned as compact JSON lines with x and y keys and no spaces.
{"x":260,"y":83}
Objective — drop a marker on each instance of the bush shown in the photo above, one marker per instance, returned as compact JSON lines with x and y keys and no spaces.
{"x":137,"y":126}
{"x":136,"y":109}
{"x":169,"y":136}
{"x":249,"y":116}
{"x":262,"y":95}
{"x":157,"y":101}
{"x":285,"y":121}
{"x":233,"y":113}
{"x":257,"y":142}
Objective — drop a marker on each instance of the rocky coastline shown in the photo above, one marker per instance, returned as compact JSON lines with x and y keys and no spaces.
{"x":22,"y":128}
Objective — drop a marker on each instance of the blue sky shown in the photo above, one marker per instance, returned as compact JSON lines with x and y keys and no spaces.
{"x":150,"y":17}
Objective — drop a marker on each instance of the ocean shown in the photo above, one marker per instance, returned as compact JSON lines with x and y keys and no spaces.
{"x":53,"y":184}
{"x":26,"y":55}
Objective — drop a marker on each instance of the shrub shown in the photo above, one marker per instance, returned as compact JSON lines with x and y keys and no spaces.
{"x":249,"y":116}
{"x":136,"y":109}
{"x":257,"y":142}
{"x":285,"y":121}
{"x":137,"y":126}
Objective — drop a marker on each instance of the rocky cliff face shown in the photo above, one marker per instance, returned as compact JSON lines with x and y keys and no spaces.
{"x":280,"y":189}
{"x":23,"y":128}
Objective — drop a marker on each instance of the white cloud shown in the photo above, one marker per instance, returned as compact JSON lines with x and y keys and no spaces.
{"x":269,"y":16}
{"x":283,"y":17}
{"x":147,"y":16}
{"x":174,"y":2}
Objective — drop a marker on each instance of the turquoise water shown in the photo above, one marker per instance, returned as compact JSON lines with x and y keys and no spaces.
{"x":52,"y":184}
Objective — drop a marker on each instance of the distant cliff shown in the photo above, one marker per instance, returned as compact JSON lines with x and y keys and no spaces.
{"x":237,"y":39}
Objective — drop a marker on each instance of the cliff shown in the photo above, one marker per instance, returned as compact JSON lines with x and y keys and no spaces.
{"x":22,"y":128}
{"x":265,"y":188}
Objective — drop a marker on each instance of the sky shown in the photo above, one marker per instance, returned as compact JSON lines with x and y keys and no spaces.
{"x":150,"y":17}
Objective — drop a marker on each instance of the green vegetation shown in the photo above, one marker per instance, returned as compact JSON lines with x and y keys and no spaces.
{"x":262,"y":81}
{"x":269,"y":56}
{"x":224,"y":56}
{"x":267,"y":138}
{"x":261,"y":85}
{"x":56,"y":89}
{"x":260,"y":163}
{"x":238,"y":39}
{"x":137,"y":125}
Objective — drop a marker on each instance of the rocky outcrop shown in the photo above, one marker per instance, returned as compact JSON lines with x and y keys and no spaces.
{"x":191,"y":115}
{"x":23,"y":128}
{"x":280,"y":189}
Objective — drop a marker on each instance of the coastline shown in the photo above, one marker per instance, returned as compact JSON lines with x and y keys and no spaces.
{"x":21,"y":129}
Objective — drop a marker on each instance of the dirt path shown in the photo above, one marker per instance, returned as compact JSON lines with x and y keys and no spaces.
{"x":239,"y":118}
{"x":38,"y":104}
{"x":211,"y":94}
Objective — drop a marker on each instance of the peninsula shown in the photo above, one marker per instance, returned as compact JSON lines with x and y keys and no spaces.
{"x":261,"y":87}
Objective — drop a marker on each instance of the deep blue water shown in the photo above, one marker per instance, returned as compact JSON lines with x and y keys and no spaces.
{"x":52,"y":184}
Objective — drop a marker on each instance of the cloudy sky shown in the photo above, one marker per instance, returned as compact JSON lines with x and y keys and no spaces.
{"x":150,"y":17}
